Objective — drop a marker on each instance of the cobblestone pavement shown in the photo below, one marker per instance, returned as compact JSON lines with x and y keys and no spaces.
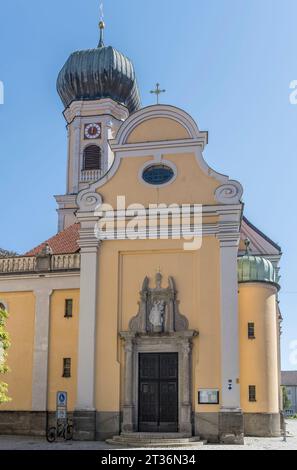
{"x":25,"y":443}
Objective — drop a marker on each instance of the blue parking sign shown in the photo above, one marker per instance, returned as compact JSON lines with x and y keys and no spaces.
{"x":62,"y":399}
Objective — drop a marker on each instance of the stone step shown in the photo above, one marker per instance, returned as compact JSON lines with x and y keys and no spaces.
{"x":130,"y":439}
{"x":152,"y":441}
{"x":154,"y":435}
{"x":160,"y":445}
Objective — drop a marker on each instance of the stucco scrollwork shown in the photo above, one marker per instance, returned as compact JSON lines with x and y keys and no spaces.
{"x":89,"y":201}
{"x":229,"y":193}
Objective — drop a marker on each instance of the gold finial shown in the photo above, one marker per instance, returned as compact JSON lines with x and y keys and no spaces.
{"x":101,"y":25}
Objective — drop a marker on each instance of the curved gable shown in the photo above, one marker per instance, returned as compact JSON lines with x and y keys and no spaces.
{"x":157,"y":130}
{"x":159,"y":123}
{"x":161,"y":135}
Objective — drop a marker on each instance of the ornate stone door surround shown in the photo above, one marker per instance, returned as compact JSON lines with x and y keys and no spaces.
{"x":157,"y":328}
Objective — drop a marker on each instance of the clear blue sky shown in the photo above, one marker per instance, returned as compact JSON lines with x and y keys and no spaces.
{"x":228,"y":63}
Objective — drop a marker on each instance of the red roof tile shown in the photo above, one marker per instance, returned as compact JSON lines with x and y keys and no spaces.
{"x":62,"y":243}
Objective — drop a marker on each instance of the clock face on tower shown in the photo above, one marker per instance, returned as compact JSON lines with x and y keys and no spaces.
{"x":92,"y":131}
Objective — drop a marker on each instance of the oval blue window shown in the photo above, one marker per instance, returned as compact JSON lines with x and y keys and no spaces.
{"x":158,"y":174}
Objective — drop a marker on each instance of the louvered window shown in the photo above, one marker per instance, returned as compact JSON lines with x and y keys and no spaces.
{"x":252,"y":393}
{"x":92,"y":158}
{"x":66,"y":367}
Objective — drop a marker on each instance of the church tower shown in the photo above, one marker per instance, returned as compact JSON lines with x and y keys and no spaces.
{"x":99,"y":90}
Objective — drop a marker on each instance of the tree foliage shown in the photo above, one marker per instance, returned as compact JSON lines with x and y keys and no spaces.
{"x":4,"y":345}
{"x":286,"y":401}
{"x":7,"y":253}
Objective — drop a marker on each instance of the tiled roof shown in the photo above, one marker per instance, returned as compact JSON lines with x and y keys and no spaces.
{"x":289,"y":378}
{"x":62,"y":243}
{"x":260,"y":243}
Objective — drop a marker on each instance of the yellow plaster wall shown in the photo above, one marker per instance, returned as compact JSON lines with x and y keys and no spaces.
{"x":123,"y":267}
{"x":156,"y":130}
{"x":192,"y":185}
{"x":63,"y":344}
{"x":20,"y":325}
{"x":259,"y":357}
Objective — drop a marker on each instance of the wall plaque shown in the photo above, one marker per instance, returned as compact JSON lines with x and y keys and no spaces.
{"x":208,"y":397}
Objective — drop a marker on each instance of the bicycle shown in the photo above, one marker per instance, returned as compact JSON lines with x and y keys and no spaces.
{"x":63,"y":429}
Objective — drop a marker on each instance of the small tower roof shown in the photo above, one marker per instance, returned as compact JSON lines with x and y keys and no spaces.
{"x":255,"y":268}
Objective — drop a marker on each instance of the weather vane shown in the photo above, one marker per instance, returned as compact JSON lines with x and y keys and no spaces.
{"x":101,"y":25}
{"x":101,"y":11}
{"x":158,"y":92}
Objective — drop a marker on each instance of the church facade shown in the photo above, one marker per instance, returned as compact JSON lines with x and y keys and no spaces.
{"x":146,"y":330}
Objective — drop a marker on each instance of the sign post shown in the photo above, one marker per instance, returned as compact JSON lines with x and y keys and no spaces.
{"x":61,"y":410}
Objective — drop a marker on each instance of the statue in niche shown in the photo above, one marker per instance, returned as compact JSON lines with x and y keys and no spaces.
{"x":156,"y":316}
{"x":158,"y":309}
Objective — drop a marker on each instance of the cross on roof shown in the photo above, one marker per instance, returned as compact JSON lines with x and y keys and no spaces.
{"x":157,"y":92}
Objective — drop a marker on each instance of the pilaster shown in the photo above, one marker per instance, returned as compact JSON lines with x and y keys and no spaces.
{"x":41,"y":349}
{"x":231,"y":417}
{"x":76,"y":155}
{"x":85,"y":415}
{"x":186,"y":407}
{"x":129,"y":408}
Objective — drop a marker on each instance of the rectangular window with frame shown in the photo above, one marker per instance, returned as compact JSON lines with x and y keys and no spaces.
{"x":68,"y":308}
{"x":66,"y":367}
{"x":252,"y":393}
{"x":251,"y":331}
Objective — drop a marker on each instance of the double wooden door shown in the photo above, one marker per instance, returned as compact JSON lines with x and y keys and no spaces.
{"x":158,"y":392}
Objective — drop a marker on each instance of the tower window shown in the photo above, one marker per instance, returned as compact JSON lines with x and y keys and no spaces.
{"x":251,"y":331}
{"x":66,"y":367}
{"x":68,"y":308}
{"x":92,"y":158}
{"x":252,"y":393}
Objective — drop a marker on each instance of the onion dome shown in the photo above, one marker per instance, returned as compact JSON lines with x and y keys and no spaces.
{"x":99,"y":73}
{"x":256,"y":268}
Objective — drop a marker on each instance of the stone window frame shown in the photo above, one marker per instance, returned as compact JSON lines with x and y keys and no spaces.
{"x":157,"y":162}
{"x":85,"y":156}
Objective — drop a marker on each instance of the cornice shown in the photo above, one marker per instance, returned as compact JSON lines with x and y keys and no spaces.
{"x":100,"y":107}
{"x":38,"y":277}
{"x":183,"y":144}
{"x":66,"y":199}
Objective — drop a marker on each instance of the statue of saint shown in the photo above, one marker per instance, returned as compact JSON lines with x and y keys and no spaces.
{"x":156,"y":317}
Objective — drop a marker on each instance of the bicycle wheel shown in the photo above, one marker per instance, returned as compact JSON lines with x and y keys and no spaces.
{"x":51,"y":435}
{"x":69,"y":433}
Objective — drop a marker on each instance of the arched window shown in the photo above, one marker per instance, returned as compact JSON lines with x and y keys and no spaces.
{"x":92,"y":158}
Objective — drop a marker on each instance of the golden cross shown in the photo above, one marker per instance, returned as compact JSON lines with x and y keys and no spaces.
{"x":158,"y":91}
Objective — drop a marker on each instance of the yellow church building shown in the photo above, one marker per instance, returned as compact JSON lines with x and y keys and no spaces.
{"x":150,"y":328}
